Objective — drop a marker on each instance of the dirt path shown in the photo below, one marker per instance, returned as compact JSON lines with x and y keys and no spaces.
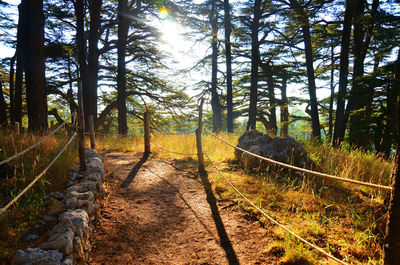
{"x":160,"y":212}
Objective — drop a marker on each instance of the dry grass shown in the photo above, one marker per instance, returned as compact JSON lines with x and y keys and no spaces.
{"x":351,"y":229}
{"x":19,"y":173}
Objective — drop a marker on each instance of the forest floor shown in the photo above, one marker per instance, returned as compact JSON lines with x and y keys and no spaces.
{"x":162,"y":212}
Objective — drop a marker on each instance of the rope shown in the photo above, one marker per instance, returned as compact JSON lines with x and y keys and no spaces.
{"x":36,"y":144}
{"x":2,"y":210}
{"x":273,"y":220}
{"x":173,"y":151}
{"x":367,"y":184}
{"x":177,"y":133}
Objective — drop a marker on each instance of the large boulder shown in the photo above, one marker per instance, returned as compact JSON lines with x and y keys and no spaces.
{"x":285,"y":150}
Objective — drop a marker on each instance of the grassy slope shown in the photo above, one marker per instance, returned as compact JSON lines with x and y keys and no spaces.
{"x":30,"y":208}
{"x":348,"y":221}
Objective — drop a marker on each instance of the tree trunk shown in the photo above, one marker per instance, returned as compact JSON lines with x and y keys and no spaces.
{"x":93,"y":55}
{"x":340,"y":124}
{"x":123,"y":28}
{"x":3,"y":108}
{"x":70,"y":92}
{"x":255,"y":55}
{"x":332,"y":91}
{"x":392,"y":120}
{"x":19,"y":82}
{"x":19,"y":76}
{"x":81,"y":45}
{"x":305,"y":28}
{"x":284,"y":109}
{"x":361,"y":96}
{"x":215,"y":102}
{"x":267,"y":69}
{"x":11,"y":87}
{"x":392,"y":242}
{"x":228,"y":54}
{"x":358,"y":134}
{"x":34,"y":64}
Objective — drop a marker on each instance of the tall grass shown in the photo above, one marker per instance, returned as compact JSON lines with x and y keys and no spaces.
{"x":19,"y":173}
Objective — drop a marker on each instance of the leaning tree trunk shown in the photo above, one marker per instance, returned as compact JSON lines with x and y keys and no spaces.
{"x":123,"y":27}
{"x":34,"y":64}
{"x":392,"y":242}
{"x":93,"y":55}
{"x":215,"y":102}
{"x":255,"y":55}
{"x":340,"y":124}
{"x":228,"y":54}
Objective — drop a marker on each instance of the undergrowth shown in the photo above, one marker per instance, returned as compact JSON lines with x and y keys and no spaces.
{"x":347,"y":221}
{"x":17,"y":174}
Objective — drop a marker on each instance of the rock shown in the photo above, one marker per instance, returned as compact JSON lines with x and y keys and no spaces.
{"x":81,"y":195}
{"x":41,"y":227}
{"x":84,"y":186}
{"x":37,"y":256}
{"x":69,"y":183}
{"x":31,"y":237}
{"x":55,"y":207}
{"x":285,"y":150}
{"x":69,"y":260}
{"x":57,"y":195}
{"x":79,"y":219}
{"x":79,"y":249}
{"x":63,"y":242}
{"x":49,"y":219}
{"x":71,"y":203}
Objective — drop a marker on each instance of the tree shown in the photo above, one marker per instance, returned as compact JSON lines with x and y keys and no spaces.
{"x":215,"y":102}
{"x":93,"y":56}
{"x":228,"y":54}
{"x":305,"y":28}
{"x":255,"y":55}
{"x":123,"y":28}
{"x":392,"y":244}
{"x":34,"y":64}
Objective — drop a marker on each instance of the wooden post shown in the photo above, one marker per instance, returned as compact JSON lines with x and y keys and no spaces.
{"x":81,"y":129}
{"x":16,"y":128}
{"x":92,"y":133}
{"x":199,"y":129}
{"x":51,"y":126}
{"x":147,"y":132}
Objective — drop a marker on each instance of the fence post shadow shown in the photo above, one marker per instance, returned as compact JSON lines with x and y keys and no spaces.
{"x":224,"y":239}
{"x":134,"y":171}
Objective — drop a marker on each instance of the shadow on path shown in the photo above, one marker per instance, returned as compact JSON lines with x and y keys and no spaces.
{"x":224,"y":239}
{"x":134,"y":171}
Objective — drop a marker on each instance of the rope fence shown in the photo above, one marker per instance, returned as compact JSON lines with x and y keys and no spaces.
{"x":4,"y":209}
{"x":322,"y":251}
{"x":36,"y":144}
{"x":352,"y":181}
{"x":177,"y":153}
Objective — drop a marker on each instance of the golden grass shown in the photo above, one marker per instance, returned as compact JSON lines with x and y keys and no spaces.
{"x":30,"y":208}
{"x":352,"y":231}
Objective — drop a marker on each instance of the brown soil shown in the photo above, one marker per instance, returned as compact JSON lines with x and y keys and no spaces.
{"x":161,"y":212}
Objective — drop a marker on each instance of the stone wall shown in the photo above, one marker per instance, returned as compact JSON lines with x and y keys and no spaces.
{"x":71,"y":215}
